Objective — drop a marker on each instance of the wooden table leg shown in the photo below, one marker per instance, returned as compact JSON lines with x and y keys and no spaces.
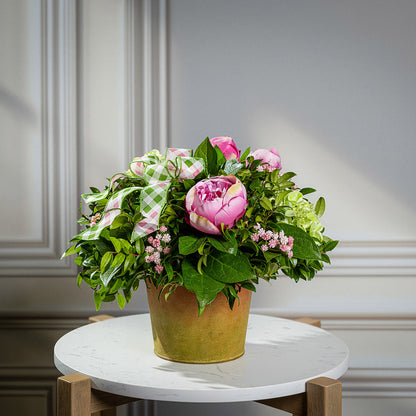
{"x":74,"y":395}
{"x":324,"y":397}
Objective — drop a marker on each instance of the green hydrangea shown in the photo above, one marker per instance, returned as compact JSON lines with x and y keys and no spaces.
{"x":301,"y":213}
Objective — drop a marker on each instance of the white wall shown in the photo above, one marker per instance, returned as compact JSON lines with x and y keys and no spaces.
{"x":86,"y":86}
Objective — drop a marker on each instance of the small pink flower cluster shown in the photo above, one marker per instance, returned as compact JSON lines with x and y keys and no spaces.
{"x":271,"y":239}
{"x":158,"y":245}
{"x":95,"y":219}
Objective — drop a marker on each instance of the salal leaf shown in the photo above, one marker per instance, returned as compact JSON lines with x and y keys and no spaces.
{"x":207,"y":152}
{"x":228,"y":268}
{"x":205,"y":288}
{"x":304,"y":246}
{"x":189,"y":244}
{"x":220,"y":156}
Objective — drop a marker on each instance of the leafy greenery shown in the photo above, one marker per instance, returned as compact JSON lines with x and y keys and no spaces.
{"x":114,"y":263}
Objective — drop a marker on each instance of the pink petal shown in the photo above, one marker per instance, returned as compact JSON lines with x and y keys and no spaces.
{"x":202,"y":224}
{"x":231,"y":212}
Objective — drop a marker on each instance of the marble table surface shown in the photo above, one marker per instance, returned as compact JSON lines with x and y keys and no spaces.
{"x":280,"y":356}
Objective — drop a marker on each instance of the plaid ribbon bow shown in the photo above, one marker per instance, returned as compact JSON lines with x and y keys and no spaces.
{"x":157,"y":173}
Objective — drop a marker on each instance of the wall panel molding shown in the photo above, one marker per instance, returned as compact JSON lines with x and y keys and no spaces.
{"x":373,"y":258}
{"x":59,"y":150}
{"x":146,"y":69}
{"x":379,"y":382}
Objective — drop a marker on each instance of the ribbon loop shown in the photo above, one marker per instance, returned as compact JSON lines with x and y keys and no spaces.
{"x":157,"y":171}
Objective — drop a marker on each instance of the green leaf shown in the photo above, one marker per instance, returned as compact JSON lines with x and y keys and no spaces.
{"x":113,"y":269}
{"x":205,"y":288}
{"x":119,"y":221}
{"x":121,"y":301}
{"x":306,"y":191}
{"x":130,"y":260}
{"x":97,"y":300}
{"x":139,"y":246}
{"x":320,"y":207}
{"x":325,"y":258}
{"x":189,"y":244}
{"x":274,"y":176}
{"x":105,"y":261}
{"x":116,"y":286}
{"x":228,"y":268}
{"x":244,"y":155}
{"x":79,"y":280}
{"x":248,"y":285}
{"x":286,"y":176}
{"x":207,"y":152}
{"x":72,"y":250}
{"x":266,"y":204}
{"x":188,"y":184}
{"x":304,"y":246}
{"x":270,"y":255}
{"x":217,"y":244}
{"x":220,"y":156}
{"x":127,"y":295}
{"x":116,"y":243}
{"x":126,"y":247}
{"x":330,"y":245}
{"x":169,"y":270}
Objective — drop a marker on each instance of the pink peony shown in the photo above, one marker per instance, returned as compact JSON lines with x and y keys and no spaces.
{"x":227,"y":147}
{"x":270,"y":157}
{"x":215,"y":201}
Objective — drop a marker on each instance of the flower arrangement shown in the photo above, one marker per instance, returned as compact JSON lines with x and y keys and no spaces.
{"x":213,"y":220}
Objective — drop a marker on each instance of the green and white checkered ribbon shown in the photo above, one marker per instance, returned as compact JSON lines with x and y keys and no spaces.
{"x":157,"y":172}
{"x":178,"y":163}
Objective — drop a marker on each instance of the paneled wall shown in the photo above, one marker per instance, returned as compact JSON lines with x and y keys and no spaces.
{"x":87,"y":85}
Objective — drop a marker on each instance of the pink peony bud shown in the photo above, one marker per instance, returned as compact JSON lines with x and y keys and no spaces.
{"x":270,"y":157}
{"x":227,"y":147}
{"x":215,"y":201}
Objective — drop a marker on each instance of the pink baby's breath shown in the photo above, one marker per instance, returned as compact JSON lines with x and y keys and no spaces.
{"x":255,"y":237}
{"x":163,"y":229}
{"x":159,"y":268}
{"x":166,"y":238}
{"x":166,"y":250}
{"x":264,"y":247}
{"x":273,"y":243}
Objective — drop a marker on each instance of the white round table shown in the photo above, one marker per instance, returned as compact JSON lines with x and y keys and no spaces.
{"x":281,"y":356}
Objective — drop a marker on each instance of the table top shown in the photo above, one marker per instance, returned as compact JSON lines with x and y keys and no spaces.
{"x":280,"y":356}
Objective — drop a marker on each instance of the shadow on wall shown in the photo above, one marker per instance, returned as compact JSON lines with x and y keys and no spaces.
{"x":17,"y":108}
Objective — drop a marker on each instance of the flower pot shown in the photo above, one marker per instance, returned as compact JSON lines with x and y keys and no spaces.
{"x":218,"y":335}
